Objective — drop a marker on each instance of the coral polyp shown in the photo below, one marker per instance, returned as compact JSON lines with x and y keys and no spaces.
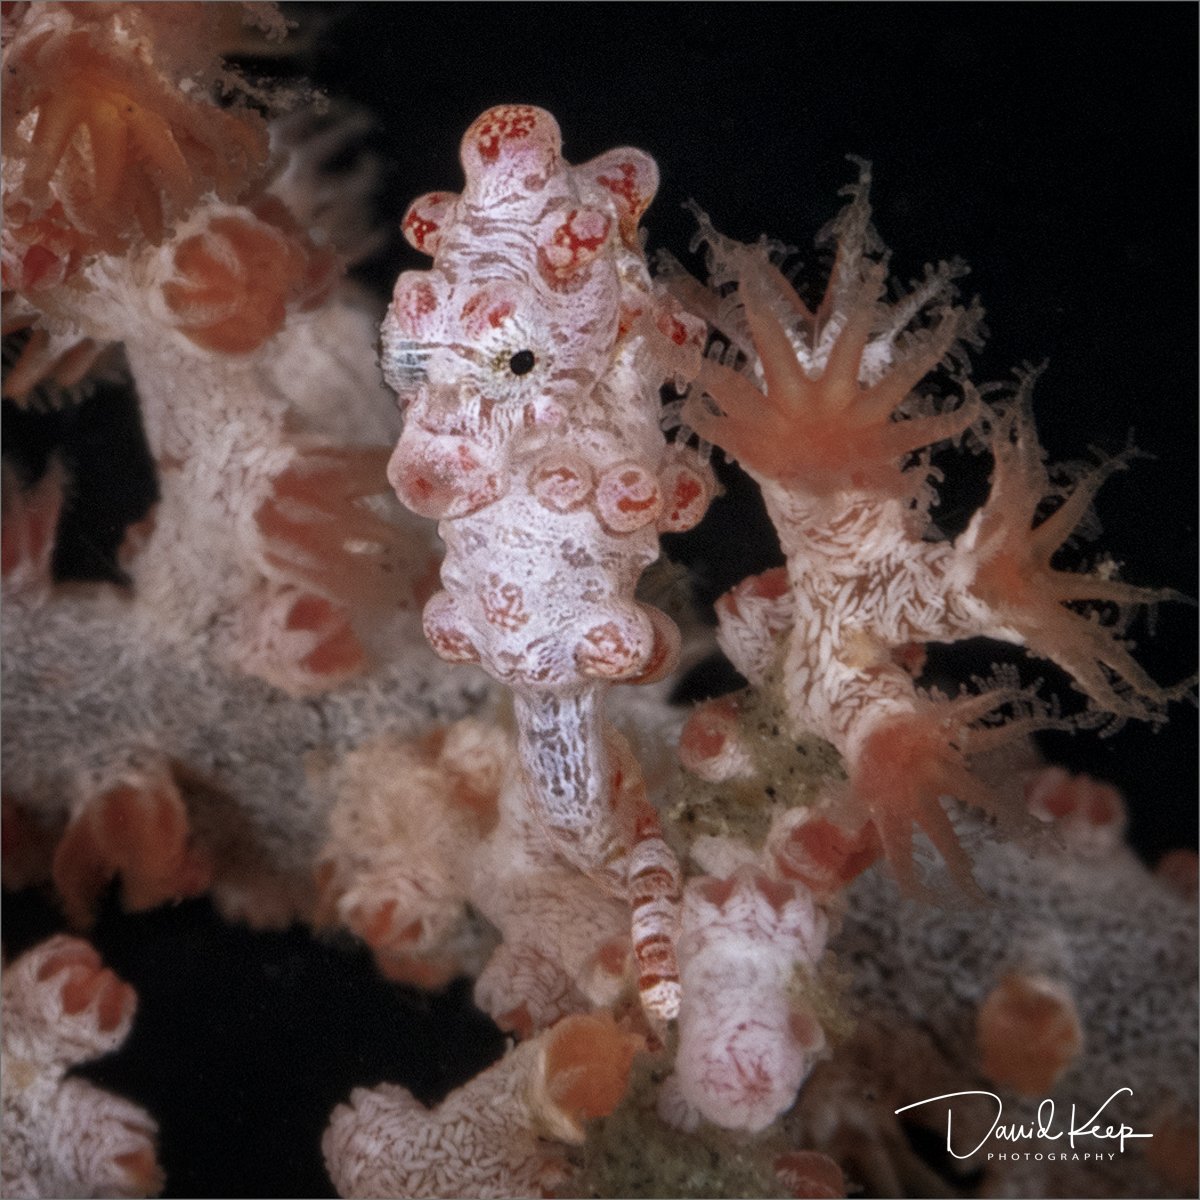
{"x":127,"y":147}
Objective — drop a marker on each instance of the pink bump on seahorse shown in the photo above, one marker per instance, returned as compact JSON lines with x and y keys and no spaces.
{"x":528,"y":362}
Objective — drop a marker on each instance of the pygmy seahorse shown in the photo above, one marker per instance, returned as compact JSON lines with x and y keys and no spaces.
{"x":528,"y":362}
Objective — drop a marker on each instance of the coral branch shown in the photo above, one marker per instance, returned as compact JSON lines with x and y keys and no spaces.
{"x":822,"y":408}
{"x":493,"y":1137}
{"x":64,"y":1136}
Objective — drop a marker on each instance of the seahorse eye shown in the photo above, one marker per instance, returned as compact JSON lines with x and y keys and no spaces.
{"x":522,"y":362}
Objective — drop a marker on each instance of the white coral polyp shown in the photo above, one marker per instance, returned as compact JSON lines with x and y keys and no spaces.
{"x":745,"y":1046}
{"x":63,"y":1136}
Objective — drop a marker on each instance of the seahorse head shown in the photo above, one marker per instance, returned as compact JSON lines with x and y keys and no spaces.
{"x":537,"y":277}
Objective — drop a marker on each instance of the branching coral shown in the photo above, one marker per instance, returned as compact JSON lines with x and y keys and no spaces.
{"x":178,"y":732}
{"x":65,"y":1136}
{"x":399,"y":863}
{"x":274,"y":567}
{"x":822,"y":407}
{"x":256,"y":714}
{"x":1059,"y":992}
{"x":127,"y":146}
{"x":425,"y":835}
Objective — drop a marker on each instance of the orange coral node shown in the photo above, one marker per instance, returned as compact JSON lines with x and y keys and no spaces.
{"x":373,"y":925}
{"x":1028,"y":1033}
{"x":707,"y":731}
{"x":587,"y":1064}
{"x":309,"y":612}
{"x":140,"y":833}
{"x":825,"y":857}
{"x":1179,"y":871}
{"x":1174,"y":1151}
{"x":234,"y":282}
{"x":340,"y":654}
{"x":810,"y":1175}
{"x":89,"y":983}
{"x":145,"y":1176}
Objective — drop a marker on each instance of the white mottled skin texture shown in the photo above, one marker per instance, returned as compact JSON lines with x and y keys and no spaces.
{"x":556,"y":925}
{"x":61,"y":1136}
{"x":746,"y":1043}
{"x":528,"y":363}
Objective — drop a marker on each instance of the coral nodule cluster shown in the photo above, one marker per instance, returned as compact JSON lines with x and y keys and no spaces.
{"x":733,"y":945}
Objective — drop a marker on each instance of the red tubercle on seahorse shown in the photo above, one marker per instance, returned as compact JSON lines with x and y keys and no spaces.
{"x":504,"y":604}
{"x":570,"y":247}
{"x":507,"y":122}
{"x":624,"y":184}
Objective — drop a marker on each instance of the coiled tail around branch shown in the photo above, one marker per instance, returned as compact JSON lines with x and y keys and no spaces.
{"x":586,"y":790}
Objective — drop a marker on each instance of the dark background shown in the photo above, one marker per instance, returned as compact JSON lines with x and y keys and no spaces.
{"x":1050,"y":146}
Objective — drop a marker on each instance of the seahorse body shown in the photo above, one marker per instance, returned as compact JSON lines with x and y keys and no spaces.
{"x":529,"y":361}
